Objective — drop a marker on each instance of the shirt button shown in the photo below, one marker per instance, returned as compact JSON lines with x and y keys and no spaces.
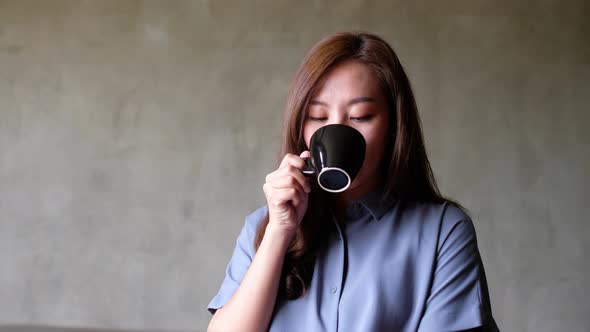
{"x":333,"y":290}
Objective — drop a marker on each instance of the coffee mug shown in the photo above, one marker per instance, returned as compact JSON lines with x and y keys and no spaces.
{"x":337,"y":154}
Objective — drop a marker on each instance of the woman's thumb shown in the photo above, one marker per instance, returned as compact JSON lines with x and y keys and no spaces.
{"x":305,"y":154}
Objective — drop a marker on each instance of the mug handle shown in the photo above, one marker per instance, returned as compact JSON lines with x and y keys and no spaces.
{"x":308,"y":170}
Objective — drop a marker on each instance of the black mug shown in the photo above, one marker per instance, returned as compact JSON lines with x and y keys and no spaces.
{"x":337,"y":154}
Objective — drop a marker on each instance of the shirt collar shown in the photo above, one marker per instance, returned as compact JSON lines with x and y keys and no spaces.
{"x":377,"y":202}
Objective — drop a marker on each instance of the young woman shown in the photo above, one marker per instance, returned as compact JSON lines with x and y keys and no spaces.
{"x":389,"y":253}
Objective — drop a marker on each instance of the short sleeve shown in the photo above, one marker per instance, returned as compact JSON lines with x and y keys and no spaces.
{"x":239,"y":262}
{"x":458,"y":298}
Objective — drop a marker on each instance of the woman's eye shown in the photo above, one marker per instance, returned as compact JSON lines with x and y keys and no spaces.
{"x":361,"y":118}
{"x":317,"y":119}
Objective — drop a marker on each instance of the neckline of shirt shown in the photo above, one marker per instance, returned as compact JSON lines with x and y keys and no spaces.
{"x":376,"y":203}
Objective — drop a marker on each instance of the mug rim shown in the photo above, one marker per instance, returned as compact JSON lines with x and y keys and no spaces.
{"x":333,"y":169}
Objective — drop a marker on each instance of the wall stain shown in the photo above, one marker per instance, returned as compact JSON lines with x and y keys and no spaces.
{"x":11,"y":49}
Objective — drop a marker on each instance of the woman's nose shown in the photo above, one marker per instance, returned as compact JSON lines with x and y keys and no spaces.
{"x":337,"y":120}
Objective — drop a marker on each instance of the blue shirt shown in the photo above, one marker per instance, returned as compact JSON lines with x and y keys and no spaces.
{"x":385,"y":268}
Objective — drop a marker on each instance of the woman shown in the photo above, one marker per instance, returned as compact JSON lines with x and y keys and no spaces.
{"x":389,"y":253}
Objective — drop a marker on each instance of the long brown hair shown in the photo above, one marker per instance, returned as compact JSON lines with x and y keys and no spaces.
{"x":407,"y":174}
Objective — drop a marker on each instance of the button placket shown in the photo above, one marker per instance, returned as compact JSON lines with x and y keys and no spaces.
{"x":335,"y":289}
{"x":340,"y":244}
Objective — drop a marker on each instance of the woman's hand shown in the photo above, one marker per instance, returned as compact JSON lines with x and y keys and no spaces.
{"x":286,"y":191}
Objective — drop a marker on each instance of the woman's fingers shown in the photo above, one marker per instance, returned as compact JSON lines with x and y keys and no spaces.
{"x":294,"y":173}
{"x":293,"y":160}
{"x":288,"y":181}
{"x":286,"y":190}
{"x":305,"y":154}
{"x":288,"y":173}
{"x":280,"y":196}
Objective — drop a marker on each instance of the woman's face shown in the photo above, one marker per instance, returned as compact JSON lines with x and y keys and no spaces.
{"x":350,"y":94}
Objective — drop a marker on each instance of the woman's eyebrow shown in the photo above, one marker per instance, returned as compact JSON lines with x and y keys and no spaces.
{"x":317,"y":102}
{"x":361,"y":100}
{"x":350,"y":103}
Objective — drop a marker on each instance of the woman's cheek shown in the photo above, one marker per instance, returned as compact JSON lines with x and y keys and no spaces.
{"x":369,"y":140}
{"x":373,"y":152}
{"x":307,"y":133}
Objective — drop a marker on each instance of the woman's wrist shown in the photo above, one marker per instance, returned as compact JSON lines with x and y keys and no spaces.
{"x":279,"y":234}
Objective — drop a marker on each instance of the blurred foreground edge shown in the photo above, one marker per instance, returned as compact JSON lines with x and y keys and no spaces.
{"x":41,"y":328}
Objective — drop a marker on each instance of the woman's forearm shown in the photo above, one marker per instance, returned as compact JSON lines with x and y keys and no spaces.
{"x":251,"y":306}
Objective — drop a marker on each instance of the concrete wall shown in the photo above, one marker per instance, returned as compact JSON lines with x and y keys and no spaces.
{"x":135,"y":136}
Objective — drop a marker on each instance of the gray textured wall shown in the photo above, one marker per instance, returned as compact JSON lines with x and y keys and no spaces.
{"x":135,"y":136}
